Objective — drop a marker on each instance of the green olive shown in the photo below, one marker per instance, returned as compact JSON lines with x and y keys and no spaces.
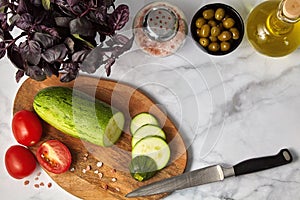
{"x":215,"y":31}
{"x":205,"y":30}
{"x":214,"y":46}
{"x":204,"y":42}
{"x":200,"y":22}
{"x":219,"y":14}
{"x":225,"y":46}
{"x":225,"y":36}
{"x":213,"y":38}
{"x":208,"y":14}
{"x":212,"y":23}
{"x":235,"y":33}
{"x":228,"y":23}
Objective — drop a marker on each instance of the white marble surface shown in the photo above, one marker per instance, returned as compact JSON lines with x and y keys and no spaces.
{"x":227,"y":108}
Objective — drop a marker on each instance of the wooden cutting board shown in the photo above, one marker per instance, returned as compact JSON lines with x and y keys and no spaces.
{"x":115,"y":159}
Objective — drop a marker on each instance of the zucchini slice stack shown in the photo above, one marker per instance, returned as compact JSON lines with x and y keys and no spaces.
{"x":150,"y":151}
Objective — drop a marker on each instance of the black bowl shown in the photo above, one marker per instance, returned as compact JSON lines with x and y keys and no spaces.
{"x":231,"y":12}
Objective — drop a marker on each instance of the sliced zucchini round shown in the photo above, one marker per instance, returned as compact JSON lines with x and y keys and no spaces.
{"x":141,"y":120}
{"x":154,"y":147}
{"x":145,"y":131}
{"x":142,"y":168}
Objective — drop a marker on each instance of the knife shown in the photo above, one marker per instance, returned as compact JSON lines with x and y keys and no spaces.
{"x":212,"y":174}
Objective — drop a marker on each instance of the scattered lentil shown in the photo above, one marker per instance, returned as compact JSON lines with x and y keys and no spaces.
{"x":26,"y":182}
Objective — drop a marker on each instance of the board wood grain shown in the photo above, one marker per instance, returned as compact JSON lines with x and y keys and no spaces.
{"x":115,"y":159}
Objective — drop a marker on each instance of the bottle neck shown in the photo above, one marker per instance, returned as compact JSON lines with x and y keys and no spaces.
{"x":289,"y":11}
{"x":281,"y":21}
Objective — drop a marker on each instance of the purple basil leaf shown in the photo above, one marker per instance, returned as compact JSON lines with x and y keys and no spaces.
{"x":3,"y":3}
{"x":24,"y":22}
{"x":35,"y":72}
{"x":99,"y":15}
{"x":79,"y":56}
{"x":36,"y":3}
{"x":2,"y":49}
{"x":119,"y":17}
{"x":73,"y":2}
{"x":23,"y":7}
{"x":56,"y":53}
{"x":44,"y":39}
{"x":122,"y":49}
{"x":31,"y":51}
{"x":49,"y":69}
{"x":72,"y":70}
{"x":108,"y":65}
{"x":19,"y":75}
{"x":70,"y":44}
{"x":15,"y":57}
{"x":63,"y":21}
{"x":51,"y":31}
{"x":93,"y":60}
{"x":117,"y":39}
{"x":82,"y":26}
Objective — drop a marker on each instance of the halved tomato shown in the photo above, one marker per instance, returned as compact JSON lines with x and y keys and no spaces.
{"x":54,"y":156}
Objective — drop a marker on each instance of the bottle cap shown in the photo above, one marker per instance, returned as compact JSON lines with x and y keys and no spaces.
{"x":291,"y":9}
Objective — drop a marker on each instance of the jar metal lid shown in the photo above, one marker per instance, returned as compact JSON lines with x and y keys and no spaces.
{"x":160,"y":23}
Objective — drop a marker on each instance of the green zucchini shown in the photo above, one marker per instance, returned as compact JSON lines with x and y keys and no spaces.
{"x":79,"y":115}
{"x":154,"y":147}
{"x":142,"y":168}
{"x":145,"y":131}
{"x":141,"y":120}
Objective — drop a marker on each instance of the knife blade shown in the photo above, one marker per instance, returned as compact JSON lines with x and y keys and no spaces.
{"x":212,"y":174}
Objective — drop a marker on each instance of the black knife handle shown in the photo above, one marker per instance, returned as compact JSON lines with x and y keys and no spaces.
{"x":258,"y":164}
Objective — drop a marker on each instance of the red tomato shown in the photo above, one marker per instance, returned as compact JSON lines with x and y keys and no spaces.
{"x":54,"y":156}
{"x":26,"y":127}
{"x":19,"y":161}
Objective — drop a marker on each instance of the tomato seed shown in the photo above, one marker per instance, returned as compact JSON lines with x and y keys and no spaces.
{"x":39,"y":173}
{"x":36,"y":178}
{"x":36,"y":185}
{"x":42,"y":184}
{"x":49,"y":185}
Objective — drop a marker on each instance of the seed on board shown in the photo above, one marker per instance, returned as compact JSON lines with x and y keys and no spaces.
{"x":100,"y":175}
{"x":99,"y":164}
{"x":72,"y":169}
{"x":96,"y":172}
{"x":114,"y":179}
{"x":26,"y":182}
{"x":84,"y":171}
{"x":88,"y":168}
{"x":118,"y":189}
{"x":105,"y":187}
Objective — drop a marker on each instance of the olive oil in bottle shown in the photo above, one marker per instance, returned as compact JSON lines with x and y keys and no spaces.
{"x":273,"y":27}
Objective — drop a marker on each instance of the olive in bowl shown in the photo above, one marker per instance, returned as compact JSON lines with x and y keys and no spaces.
{"x":217,"y":28}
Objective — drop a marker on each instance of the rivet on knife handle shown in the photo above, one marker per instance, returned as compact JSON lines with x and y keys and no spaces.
{"x":258,"y":164}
